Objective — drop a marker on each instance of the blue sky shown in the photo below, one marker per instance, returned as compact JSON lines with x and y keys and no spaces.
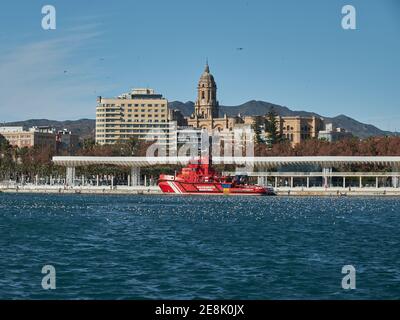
{"x":295,"y":53}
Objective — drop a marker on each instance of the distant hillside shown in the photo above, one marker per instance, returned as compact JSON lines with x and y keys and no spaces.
{"x":357,"y":128}
{"x":85,"y":128}
{"x":253,"y":107}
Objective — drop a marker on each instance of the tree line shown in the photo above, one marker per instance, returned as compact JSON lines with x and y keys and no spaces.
{"x":29,"y":162}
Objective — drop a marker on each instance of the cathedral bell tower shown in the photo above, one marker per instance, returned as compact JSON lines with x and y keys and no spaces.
{"x":206,"y":106}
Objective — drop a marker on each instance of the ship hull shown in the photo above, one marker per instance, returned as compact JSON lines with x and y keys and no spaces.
{"x":193,"y":188}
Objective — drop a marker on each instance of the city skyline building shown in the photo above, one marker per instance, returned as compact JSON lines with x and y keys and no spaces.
{"x":206,"y":116}
{"x":19,"y":136}
{"x":132,"y":115}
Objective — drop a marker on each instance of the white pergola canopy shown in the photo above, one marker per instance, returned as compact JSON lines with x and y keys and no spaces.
{"x":259,"y":162}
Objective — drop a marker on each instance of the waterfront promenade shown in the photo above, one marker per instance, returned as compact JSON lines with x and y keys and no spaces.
{"x":289,"y":176}
{"x":60,"y":189}
{"x":155,"y":190}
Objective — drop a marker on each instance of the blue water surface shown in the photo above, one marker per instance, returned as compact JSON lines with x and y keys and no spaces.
{"x":216,"y":247}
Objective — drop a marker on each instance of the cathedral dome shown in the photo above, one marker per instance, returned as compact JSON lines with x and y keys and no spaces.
{"x":207,"y":79}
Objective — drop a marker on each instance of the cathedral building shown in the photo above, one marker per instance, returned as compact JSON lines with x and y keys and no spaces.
{"x":206,"y":110}
{"x":206,"y":115}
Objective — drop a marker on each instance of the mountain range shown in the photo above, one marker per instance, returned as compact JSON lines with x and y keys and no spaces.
{"x":85,"y":128}
{"x":253,"y":107}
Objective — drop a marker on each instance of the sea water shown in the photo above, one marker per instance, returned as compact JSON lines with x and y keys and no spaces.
{"x":198,"y":247}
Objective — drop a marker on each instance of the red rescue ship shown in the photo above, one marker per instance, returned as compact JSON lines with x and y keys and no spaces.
{"x":201,"y":178}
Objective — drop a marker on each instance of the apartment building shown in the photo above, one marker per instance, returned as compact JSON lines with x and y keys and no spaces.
{"x":33,"y":137}
{"x":139,"y":113}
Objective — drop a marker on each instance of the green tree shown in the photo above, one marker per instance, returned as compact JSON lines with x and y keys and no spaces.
{"x":257,"y":127}
{"x":6,"y":158}
{"x":129,"y":148}
{"x":88,"y":144}
{"x":271,"y":127}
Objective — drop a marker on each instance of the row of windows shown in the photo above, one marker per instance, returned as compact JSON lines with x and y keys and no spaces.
{"x":288,"y":128}
{"x":164,"y":126}
{"x":113,"y":140}
{"x":148,"y":134}
{"x":305,"y":128}
{"x":129,"y":120}
{"x":126,"y":130}
{"x":129,"y":114}
{"x":136,"y":116}
{"x":143,"y":136}
{"x":134,"y":105}
{"x":148,"y":110}
{"x":133,"y":126}
{"x":290,"y":136}
{"x":116,"y":114}
{"x":148,"y":115}
{"x":118,"y":110}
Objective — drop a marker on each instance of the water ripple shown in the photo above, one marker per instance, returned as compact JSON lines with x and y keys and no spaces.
{"x":169,"y":247}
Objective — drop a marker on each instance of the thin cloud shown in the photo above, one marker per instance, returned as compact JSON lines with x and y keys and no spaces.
{"x":34,"y":83}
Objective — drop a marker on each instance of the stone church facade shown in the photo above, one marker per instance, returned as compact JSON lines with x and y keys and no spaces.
{"x":206,"y":116}
{"x":206,"y":110}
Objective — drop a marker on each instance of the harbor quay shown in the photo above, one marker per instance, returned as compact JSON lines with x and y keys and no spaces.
{"x":289,"y":176}
{"x":155,"y":190}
